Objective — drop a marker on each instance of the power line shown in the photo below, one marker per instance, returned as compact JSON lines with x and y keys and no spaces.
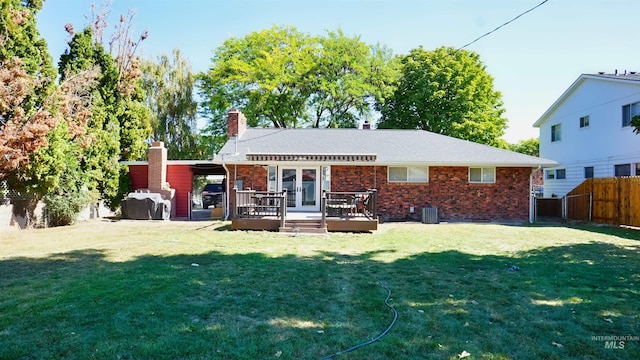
{"x":507,"y":23}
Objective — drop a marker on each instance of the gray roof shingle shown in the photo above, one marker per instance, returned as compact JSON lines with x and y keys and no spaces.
{"x":389,"y":146}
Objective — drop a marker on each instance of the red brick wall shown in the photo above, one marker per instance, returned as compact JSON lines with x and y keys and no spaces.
{"x":448,"y":189}
{"x":253,"y":177}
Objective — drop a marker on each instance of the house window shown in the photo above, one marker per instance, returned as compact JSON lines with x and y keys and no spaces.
{"x":326,"y":178}
{"x":550,"y":174}
{"x":628,"y":112}
{"x":408,"y":174}
{"x":558,"y":174}
{"x":638,"y":169}
{"x":588,"y":172}
{"x":555,"y":133}
{"x":622,"y":170}
{"x":272,"y":181}
{"x":482,"y":175}
{"x":584,"y":121}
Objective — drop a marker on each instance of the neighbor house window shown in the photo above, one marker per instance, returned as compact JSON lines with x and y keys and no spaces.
{"x":638,"y":169}
{"x":550,"y":174}
{"x":584,"y":121}
{"x":588,"y":172}
{"x":482,"y":175}
{"x":558,"y":174}
{"x":408,"y":174}
{"x":622,"y":170}
{"x":628,"y":112}
{"x":555,"y":133}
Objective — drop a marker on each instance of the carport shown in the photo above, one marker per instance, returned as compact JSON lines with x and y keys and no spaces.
{"x":153,"y":176}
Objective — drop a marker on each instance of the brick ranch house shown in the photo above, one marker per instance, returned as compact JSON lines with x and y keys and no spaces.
{"x":410,"y":170}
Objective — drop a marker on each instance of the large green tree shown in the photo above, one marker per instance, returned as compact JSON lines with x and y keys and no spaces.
{"x":168,"y":84}
{"x":27,"y":97}
{"x":100,"y":147}
{"x":119,"y":121}
{"x":281,"y":77}
{"x":267,"y":74}
{"x":449,"y":92}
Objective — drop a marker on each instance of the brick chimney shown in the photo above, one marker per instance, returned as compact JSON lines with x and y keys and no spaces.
{"x":157,"y":173}
{"x":236,"y":124}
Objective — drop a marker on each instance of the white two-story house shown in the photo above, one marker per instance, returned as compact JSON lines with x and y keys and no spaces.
{"x":587,"y":131}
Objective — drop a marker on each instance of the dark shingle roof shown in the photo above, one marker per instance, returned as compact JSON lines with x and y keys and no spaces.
{"x":389,"y":146}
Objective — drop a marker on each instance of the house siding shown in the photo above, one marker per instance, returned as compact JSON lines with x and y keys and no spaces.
{"x":181,"y":179}
{"x":138,"y":176}
{"x":603,"y":144}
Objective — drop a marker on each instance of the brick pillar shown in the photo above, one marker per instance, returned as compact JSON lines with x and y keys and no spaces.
{"x":157,"y":173}
{"x":236,"y":123}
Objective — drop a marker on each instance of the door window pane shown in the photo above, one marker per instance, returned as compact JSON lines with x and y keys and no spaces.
{"x":308,"y":187}
{"x":289,"y":184}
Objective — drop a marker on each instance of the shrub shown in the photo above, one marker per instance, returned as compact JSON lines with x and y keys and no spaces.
{"x":63,"y":209}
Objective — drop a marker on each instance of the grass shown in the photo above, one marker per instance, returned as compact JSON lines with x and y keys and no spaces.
{"x":194,"y":290}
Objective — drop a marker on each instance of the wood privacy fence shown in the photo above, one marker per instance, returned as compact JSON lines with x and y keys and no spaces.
{"x":614,"y":201}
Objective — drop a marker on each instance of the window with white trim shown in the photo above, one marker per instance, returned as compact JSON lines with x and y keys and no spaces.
{"x":556,"y":132}
{"x":411,"y":174}
{"x":588,"y":172}
{"x":628,"y":112}
{"x":622,"y":170}
{"x":584,"y":121}
{"x":272,"y":181}
{"x":482,"y":175}
{"x":557,"y":174}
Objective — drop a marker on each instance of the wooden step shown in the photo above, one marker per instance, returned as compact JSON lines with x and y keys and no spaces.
{"x":303,"y":227}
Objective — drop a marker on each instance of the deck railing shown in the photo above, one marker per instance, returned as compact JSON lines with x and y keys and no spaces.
{"x":260,"y":204}
{"x":350,"y":204}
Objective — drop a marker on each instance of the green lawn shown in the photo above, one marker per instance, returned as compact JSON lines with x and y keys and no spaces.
{"x":194,"y":290}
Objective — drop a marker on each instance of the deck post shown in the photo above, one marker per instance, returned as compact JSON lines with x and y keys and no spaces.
{"x":323,"y":208}
{"x":283,"y":208}
{"x":235,"y":202}
{"x":374,"y":195}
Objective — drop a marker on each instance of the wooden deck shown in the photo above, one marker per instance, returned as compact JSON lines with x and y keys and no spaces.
{"x":306,"y":222}
{"x":340,"y":211}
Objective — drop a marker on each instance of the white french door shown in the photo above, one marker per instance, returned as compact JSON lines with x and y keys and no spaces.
{"x":303,"y":187}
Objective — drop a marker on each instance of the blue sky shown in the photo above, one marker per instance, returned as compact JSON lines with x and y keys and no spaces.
{"x":533,"y":60}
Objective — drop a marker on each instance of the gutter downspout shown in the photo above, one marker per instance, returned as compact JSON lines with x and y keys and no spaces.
{"x":532,"y":197}
{"x":226,"y":215}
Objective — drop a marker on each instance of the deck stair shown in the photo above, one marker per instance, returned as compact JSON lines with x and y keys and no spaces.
{"x":306,"y":226}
